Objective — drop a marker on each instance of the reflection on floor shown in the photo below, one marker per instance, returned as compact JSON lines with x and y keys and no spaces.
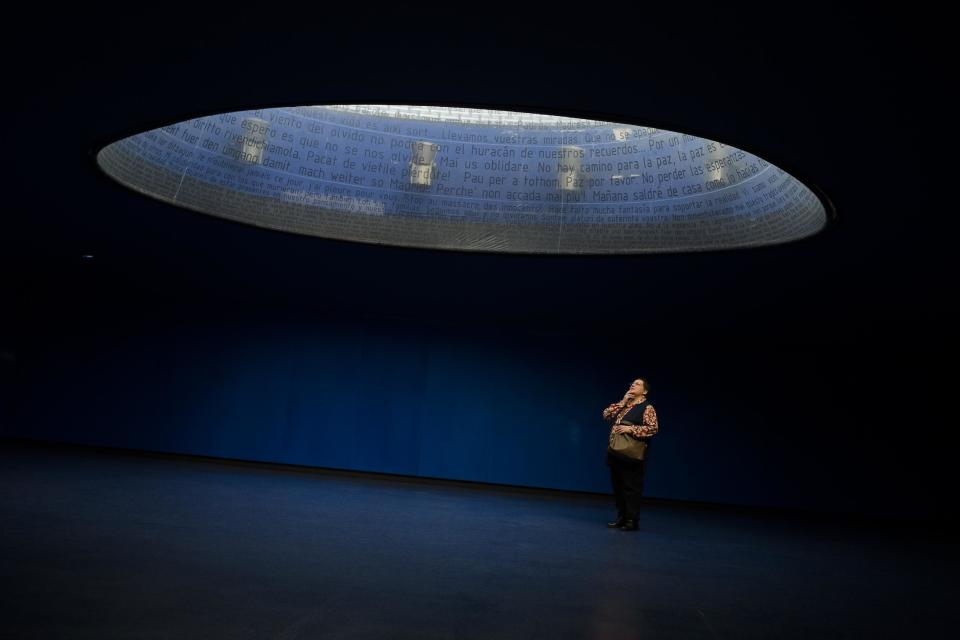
{"x":110,"y":544}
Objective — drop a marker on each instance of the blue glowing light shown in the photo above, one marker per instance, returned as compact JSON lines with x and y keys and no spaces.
{"x":468,"y":179}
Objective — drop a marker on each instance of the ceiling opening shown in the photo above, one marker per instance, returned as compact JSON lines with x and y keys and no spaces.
{"x":468,"y":179}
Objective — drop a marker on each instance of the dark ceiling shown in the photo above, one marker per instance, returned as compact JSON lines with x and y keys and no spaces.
{"x":846,"y":102}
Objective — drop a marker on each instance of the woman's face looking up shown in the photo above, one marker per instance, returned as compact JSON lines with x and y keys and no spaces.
{"x":638,"y":388}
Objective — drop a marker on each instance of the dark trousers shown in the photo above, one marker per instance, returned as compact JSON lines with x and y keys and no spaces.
{"x":627,"y":480}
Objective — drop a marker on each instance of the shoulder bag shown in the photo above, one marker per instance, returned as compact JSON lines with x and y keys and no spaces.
{"x":626,"y":445}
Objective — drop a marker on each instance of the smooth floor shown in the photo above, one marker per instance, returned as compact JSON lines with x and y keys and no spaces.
{"x":111,"y":544}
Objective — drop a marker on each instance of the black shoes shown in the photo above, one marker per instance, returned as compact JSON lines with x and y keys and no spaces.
{"x":630,"y":525}
{"x":624,"y":524}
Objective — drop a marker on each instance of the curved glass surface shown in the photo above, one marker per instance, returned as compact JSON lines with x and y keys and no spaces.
{"x":468,"y":179}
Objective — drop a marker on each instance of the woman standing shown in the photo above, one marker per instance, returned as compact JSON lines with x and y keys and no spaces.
{"x":627,"y":475}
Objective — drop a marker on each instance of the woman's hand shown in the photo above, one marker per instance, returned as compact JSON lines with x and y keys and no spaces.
{"x":611,"y":411}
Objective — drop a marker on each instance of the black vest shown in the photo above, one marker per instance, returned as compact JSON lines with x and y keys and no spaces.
{"x":635,"y":414}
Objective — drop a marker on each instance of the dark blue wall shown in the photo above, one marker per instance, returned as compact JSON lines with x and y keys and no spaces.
{"x":359,"y":395}
{"x":7,"y":352}
{"x":742,"y":423}
{"x":7,"y":364}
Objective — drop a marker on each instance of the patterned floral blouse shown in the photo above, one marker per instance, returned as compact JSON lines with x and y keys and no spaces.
{"x":617,"y":410}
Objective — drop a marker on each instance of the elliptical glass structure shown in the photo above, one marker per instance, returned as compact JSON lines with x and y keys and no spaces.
{"x":469,"y":180}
